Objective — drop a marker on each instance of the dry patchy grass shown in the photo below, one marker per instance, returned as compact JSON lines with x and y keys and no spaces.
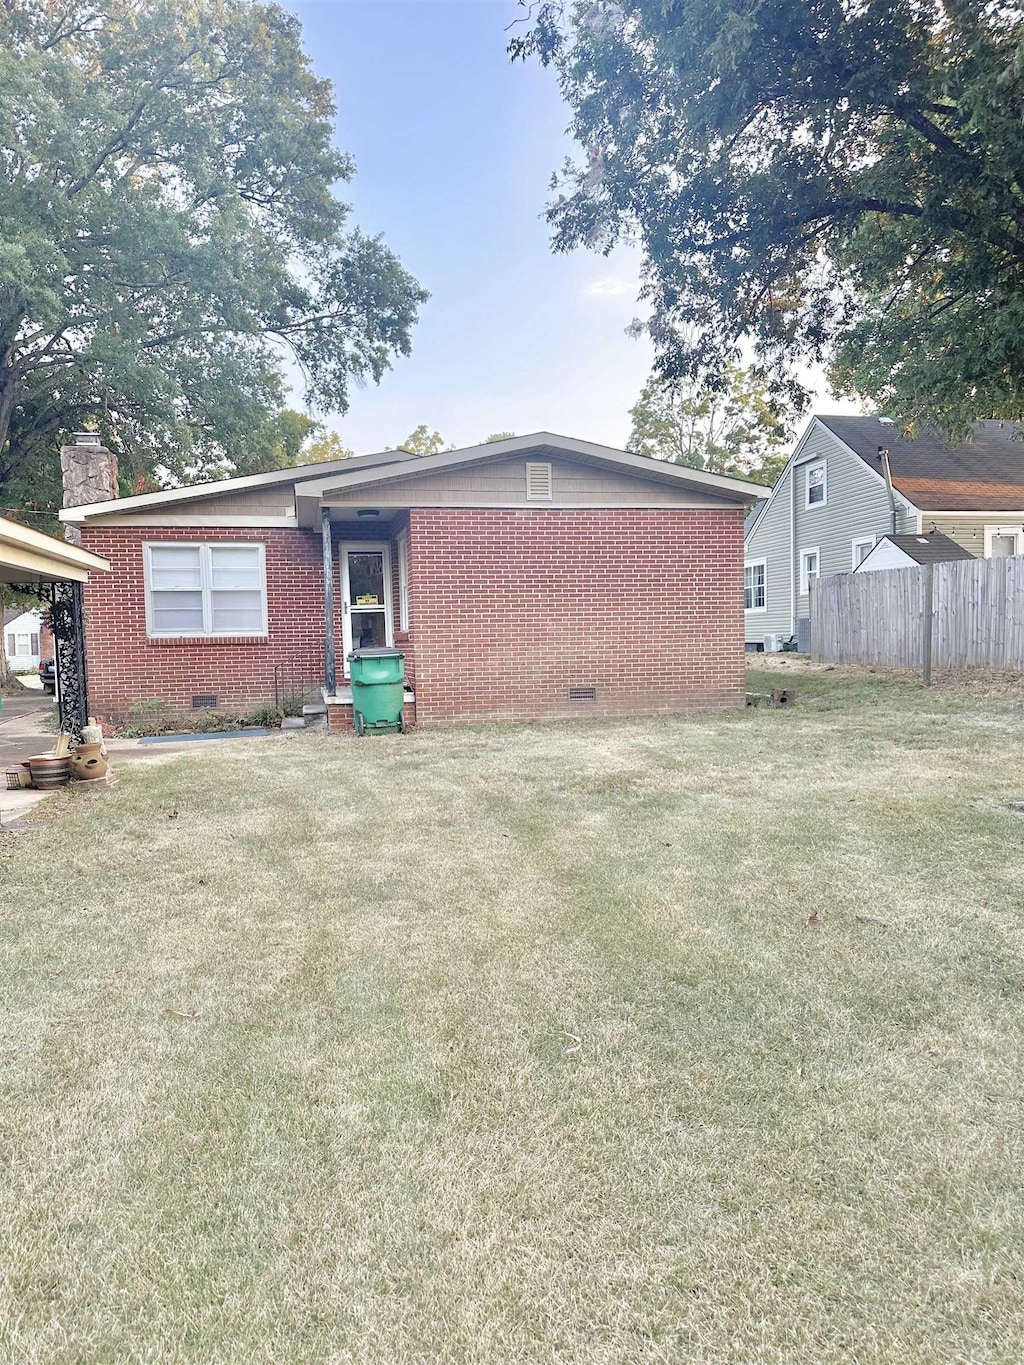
{"x":514,"y":1044}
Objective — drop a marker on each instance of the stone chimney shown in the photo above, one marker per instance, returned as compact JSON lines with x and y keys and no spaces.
{"x":89,"y":473}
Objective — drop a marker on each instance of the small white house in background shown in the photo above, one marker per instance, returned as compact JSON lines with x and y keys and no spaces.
{"x":908,"y":551}
{"x":21,"y":639}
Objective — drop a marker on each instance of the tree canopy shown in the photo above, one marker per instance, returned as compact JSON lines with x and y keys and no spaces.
{"x":836,"y":182}
{"x":423,"y":441}
{"x":732,"y":431}
{"x":171,"y":239}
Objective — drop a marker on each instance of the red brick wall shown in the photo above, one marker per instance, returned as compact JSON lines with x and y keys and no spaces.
{"x":511,"y":609}
{"x":125,"y":666}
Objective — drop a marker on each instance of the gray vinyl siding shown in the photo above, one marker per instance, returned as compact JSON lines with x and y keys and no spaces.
{"x":968,"y":531}
{"x":857,"y":507}
{"x":769,"y":541}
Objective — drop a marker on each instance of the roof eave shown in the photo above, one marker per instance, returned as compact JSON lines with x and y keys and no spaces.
{"x":293,"y":474}
{"x":740,"y":491}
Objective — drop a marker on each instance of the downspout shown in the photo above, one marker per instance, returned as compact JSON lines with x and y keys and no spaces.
{"x":792,"y":550}
{"x":883,"y":455}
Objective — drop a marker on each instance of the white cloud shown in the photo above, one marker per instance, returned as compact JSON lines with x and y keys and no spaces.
{"x":611,"y":287}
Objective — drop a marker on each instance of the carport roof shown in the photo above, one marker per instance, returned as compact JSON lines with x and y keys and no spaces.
{"x":29,"y":556}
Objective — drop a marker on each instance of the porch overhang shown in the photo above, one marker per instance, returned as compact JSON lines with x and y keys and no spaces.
{"x":29,"y":556}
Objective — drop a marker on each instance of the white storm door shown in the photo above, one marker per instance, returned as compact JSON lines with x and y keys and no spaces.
{"x":365,"y":597}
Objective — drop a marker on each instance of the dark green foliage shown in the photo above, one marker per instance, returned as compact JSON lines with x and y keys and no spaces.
{"x":170,"y":236}
{"x":837,"y":182}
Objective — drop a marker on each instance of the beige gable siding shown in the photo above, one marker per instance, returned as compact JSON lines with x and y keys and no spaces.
{"x":271,"y":501}
{"x":503,"y":484}
{"x":275,"y":501}
{"x":966,"y":530}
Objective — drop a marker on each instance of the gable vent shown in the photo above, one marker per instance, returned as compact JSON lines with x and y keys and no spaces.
{"x":538,"y":482}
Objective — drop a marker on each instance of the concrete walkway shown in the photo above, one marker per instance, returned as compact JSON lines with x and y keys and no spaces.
{"x":23,"y":726}
{"x":25,"y":730}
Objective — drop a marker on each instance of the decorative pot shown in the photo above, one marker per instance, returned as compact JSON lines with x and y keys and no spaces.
{"x":89,"y":763}
{"x":49,"y":772}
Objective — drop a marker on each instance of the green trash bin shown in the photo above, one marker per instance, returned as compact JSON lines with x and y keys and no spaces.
{"x":378,"y":689}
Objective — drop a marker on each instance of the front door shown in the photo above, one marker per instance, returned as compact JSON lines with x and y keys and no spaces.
{"x":365,"y":596}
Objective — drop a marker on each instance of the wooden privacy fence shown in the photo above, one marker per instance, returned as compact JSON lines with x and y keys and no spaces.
{"x":967,"y":612}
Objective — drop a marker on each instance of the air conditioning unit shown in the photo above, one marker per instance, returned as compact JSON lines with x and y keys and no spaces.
{"x":772,"y":644}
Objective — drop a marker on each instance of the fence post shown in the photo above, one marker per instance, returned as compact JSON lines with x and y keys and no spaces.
{"x":926,"y":626}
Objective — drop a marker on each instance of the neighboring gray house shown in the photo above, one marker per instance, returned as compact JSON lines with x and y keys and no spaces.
{"x":852,"y":480}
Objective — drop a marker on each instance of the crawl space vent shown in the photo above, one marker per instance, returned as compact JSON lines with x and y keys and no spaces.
{"x":538,"y":482}
{"x":203,"y":700}
{"x":583,"y":694}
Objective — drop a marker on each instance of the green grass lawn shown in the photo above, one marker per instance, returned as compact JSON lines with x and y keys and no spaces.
{"x":515,"y":1044}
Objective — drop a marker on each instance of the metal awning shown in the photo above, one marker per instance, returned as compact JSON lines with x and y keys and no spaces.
{"x":28,"y":556}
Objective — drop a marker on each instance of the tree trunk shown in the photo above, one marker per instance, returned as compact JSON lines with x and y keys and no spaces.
{"x":6,"y":676}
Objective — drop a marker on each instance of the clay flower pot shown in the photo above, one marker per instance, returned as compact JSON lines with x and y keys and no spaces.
{"x":89,"y":763}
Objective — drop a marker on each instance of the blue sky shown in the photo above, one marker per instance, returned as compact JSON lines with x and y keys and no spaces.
{"x":454,"y":149}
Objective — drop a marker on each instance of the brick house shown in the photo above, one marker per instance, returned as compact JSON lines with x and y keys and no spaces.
{"x":528,"y":578}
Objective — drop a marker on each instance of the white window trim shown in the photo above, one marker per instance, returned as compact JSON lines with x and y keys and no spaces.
{"x":808,"y":471}
{"x":204,"y":548}
{"x":805,"y":585}
{"x":404,"y":615}
{"x":1016,"y":531}
{"x":752,"y":564}
{"x":855,"y":546}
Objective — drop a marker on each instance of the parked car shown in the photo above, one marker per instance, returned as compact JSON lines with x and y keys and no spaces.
{"x":48,"y":675}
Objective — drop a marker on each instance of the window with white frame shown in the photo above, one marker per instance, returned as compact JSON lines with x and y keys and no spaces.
{"x":403,"y":581}
{"x":1002,"y":541}
{"x":810,"y":562}
{"x":205,"y":589}
{"x":860,"y":551}
{"x":12,"y":645}
{"x":754,"y":579}
{"x":817,"y":485}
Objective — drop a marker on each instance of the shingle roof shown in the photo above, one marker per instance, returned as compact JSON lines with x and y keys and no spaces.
{"x":985,"y":474}
{"x":932,"y":548}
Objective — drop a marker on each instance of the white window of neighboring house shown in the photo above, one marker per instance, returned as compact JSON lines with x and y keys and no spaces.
{"x":11,"y":646}
{"x":860,"y":550}
{"x":809,"y":568}
{"x":817,"y":485}
{"x":205,"y":589}
{"x":403,"y":581}
{"x":22,"y":645}
{"x":1001,"y":541}
{"x":754,"y":578}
